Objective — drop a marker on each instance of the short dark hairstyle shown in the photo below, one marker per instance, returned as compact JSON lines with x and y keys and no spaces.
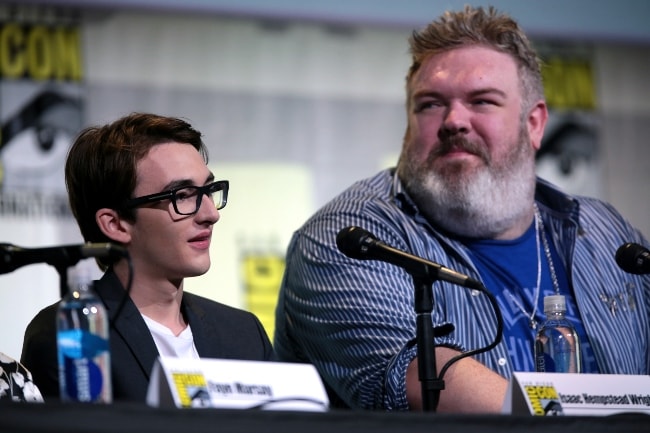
{"x":100,"y":170}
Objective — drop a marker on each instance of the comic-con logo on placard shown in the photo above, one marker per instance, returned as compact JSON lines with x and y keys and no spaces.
{"x":544,"y":400}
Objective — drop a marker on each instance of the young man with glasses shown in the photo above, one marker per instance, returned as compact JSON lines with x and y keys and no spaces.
{"x":142,"y":182}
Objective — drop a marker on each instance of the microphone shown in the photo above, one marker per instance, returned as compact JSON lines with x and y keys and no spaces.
{"x":358,"y":243}
{"x":13,"y":257}
{"x":633,"y":258}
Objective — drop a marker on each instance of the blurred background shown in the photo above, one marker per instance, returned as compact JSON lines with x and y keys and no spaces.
{"x":296,"y":99}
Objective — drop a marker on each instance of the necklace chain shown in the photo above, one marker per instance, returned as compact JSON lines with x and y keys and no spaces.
{"x":539,"y":232}
{"x":547,"y":252}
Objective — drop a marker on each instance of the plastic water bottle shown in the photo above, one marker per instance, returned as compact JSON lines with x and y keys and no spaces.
{"x":82,"y":341}
{"x":557,"y":347}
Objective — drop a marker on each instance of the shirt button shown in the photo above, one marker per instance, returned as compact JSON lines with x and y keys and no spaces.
{"x":476,"y":292}
{"x":502,"y":361}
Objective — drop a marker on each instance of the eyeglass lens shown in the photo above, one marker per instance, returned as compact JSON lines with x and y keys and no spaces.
{"x":188,"y":200}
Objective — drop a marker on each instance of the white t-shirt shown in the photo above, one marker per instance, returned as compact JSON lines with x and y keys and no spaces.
{"x":168,"y":344}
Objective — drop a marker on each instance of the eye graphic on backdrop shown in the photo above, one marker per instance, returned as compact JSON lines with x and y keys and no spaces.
{"x":35,"y":141}
{"x":569,"y":155}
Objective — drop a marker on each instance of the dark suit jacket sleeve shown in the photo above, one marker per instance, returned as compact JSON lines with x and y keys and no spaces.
{"x":39,"y":354}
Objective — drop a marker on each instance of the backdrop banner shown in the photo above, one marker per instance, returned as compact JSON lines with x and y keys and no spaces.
{"x":41,"y":111}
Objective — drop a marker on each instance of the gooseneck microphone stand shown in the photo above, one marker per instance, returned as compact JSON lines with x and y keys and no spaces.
{"x":63,"y":279}
{"x":358,"y":243}
{"x":431,"y":384}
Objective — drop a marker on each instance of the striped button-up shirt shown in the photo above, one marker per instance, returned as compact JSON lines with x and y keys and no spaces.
{"x":355,"y":321}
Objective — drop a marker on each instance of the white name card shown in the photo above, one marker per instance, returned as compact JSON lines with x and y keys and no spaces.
{"x":544,"y":394}
{"x":234,"y":384}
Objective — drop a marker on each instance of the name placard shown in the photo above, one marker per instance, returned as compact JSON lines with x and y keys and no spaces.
{"x":544,"y":394}
{"x":234,"y":384}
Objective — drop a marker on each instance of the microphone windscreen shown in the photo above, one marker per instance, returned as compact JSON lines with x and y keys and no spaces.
{"x":629,"y":257}
{"x":350,"y":241}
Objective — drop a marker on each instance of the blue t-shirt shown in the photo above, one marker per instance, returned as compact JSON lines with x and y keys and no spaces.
{"x":509,"y":269}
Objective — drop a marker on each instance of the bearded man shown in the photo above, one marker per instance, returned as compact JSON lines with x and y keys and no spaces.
{"x":465,"y":195}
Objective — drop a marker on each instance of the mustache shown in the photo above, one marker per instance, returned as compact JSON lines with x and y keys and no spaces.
{"x":456,"y":143}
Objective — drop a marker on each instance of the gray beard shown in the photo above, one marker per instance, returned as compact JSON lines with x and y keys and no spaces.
{"x":479,"y":204}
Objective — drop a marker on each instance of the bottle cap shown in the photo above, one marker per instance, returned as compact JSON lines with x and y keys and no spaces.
{"x":554,"y":303}
{"x":80,"y":275}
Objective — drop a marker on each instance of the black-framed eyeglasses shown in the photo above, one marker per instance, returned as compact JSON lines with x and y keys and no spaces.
{"x":186,"y":199}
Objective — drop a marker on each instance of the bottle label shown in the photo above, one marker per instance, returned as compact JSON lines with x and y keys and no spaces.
{"x":557,"y":350}
{"x":544,"y":363}
{"x":80,"y":355}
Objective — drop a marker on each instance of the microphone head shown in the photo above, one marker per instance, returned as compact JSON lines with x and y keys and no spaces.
{"x":6,"y":258}
{"x":354,"y":242}
{"x":107,"y":250}
{"x":633,"y":258}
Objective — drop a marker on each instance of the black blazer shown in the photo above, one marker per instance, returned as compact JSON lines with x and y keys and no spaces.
{"x":219,"y":331}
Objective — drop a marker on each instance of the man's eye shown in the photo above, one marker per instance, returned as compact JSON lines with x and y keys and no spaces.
{"x":186,"y":193}
{"x":426,"y":105}
{"x":484,"y":102}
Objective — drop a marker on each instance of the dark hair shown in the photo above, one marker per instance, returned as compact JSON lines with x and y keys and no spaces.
{"x":100,"y":170}
{"x":476,"y":26}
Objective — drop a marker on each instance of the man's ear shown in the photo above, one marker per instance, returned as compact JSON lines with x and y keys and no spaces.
{"x":536,"y":122}
{"x":113,"y":225}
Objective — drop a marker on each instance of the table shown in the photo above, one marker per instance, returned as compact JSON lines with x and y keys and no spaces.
{"x":131,"y":417}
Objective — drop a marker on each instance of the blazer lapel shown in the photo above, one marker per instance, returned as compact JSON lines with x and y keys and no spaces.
{"x":128,"y":328}
{"x":207,"y":336}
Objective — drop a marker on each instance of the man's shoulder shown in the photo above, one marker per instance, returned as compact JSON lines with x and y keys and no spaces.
{"x":362,"y":196}
{"x":379,"y":184}
{"x":210,"y":306}
{"x":376,"y":204}
{"x":44,"y":319}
